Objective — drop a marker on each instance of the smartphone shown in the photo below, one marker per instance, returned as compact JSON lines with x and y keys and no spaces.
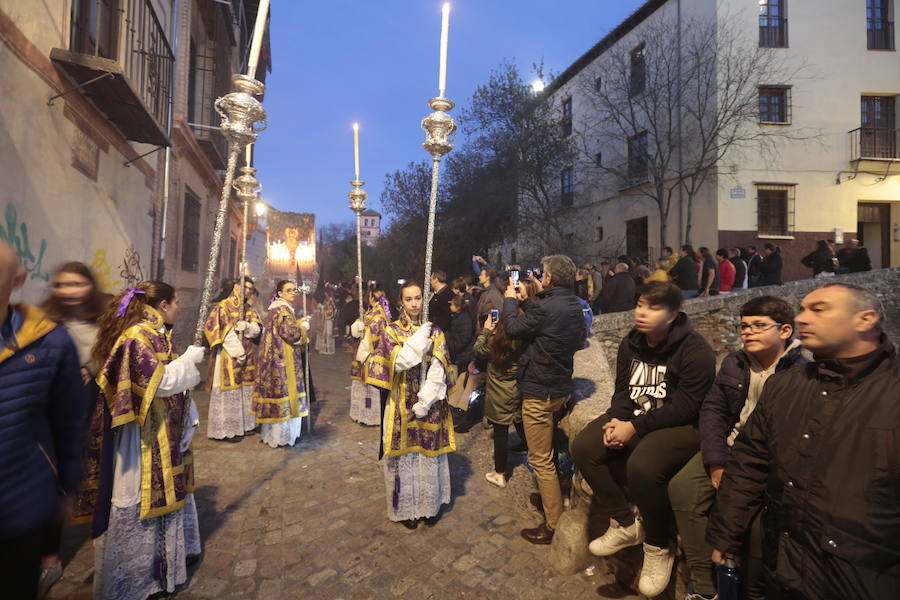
{"x":514,"y":278}
{"x":401,"y":281}
{"x":530,"y":272}
{"x":495,"y":315}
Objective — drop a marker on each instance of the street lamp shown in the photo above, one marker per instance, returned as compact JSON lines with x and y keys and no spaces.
{"x":260,"y":209}
{"x":537,"y":86}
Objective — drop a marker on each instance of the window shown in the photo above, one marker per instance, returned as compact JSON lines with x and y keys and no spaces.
{"x":598,"y":84}
{"x":600,"y":233}
{"x":567,"y":187}
{"x":638,"y":70}
{"x":637,"y":157}
{"x":773,"y":32}
{"x":233,"y":258}
{"x":878,"y":134}
{"x":774,"y":105}
{"x":190,"y":233}
{"x":598,"y":159}
{"x":879,"y":26}
{"x":567,"y":117}
{"x":775,"y":210}
{"x":637,"y":238}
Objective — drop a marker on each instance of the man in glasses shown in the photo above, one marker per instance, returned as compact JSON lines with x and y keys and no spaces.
{"x":766,"y":328}
{"x":821,"y":456}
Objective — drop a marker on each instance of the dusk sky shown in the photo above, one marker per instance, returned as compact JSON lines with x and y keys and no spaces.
{"x":340,"y":61}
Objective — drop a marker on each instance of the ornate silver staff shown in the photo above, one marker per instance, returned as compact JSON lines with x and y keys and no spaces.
{"x":304,"y":290}
{"x":247,"y":189}
{"x":358,"y":204}
{"x":242,"y":118}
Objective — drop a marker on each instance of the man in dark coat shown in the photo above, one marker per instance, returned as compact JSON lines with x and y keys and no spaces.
{"x":618,"y":293}
{"x":439,"y":305}
{"x":819,"y":455}
{"x":552,"y":329}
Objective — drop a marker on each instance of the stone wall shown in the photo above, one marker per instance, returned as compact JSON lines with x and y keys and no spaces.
{"x":717,"y":316}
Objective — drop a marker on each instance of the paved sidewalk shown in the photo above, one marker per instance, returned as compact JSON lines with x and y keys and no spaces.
{"x":309,"y":521}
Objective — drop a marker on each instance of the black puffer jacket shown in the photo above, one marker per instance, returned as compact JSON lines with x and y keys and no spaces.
{"x":662,"y":386}
{"x":618,"y":293}
{"x":821,"y":454}
{"x":461,"y":338}
{"x":552,"y":327}
{"x":723,"y":404}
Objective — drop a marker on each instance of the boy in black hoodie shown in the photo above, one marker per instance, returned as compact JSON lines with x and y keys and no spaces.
{"x":663,"y":371}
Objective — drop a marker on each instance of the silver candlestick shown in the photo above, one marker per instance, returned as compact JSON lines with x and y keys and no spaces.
{"x":247,"y":190}
{"x":438,"y":126}
{"x":242,"y":118}
{"x":358,"y":204}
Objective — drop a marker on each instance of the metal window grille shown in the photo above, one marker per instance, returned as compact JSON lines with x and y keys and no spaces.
{"x":775,"y":209}
{"x":567,"y":187}
{"x":879,"y":27}
{"x":638,"y":70}
{"x":773,"y":24}
{"x":774,"y":105}
{"x":566,"y":122}
{"x":190,"y":234}
{"x":638,"y":157}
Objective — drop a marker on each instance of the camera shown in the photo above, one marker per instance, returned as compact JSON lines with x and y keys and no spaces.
{"x":495,"y":315}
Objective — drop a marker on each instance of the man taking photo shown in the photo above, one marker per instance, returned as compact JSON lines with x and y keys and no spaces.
{"x":552,"y":327}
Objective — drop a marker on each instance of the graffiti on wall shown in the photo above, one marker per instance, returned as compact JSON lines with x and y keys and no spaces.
{"x":17,"y":235}
{"x":131,"y":271}
{"x":103,"y":273}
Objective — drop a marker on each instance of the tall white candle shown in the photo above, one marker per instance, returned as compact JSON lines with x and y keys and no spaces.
{"x":261,"y":14}
{"x":249,"y":156}
{"x":356,"y":149}
{"x":445,"y":26}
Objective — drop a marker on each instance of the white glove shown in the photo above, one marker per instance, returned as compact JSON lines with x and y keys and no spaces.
{"x":357,"y":329}
{"x":241,"y":325}
{"x":304,"y":322}
{"x":191,"y":423}
{"x":434,"y":389}
{"x":253,"y":331}
{"x":414,"y":349}
{"x":194,"y":354}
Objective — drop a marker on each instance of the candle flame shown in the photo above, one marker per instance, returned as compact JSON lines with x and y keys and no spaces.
{"x":356,"y":127}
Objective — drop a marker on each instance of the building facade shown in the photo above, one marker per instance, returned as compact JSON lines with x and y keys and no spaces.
{"x":109,"y":135}
{"x":828,"y":170}
{"x":370,"y":226}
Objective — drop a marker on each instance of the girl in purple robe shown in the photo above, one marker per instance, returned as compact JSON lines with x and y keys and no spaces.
{"x":418,"y":431}
{"x":139,"y":479}
{"x":279,"y":398}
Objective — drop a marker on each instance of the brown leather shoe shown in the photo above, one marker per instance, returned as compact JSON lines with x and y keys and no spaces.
{"x":542,"y":534}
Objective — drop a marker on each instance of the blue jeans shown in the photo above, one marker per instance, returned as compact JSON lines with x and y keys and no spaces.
{"x":690,"y":293}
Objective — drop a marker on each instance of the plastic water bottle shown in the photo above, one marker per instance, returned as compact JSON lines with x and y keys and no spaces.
{"x":730,"y":584}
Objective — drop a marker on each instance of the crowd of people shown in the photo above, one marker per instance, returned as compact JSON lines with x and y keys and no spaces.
{"x":616,"y":286}
{"x":781,"y":460}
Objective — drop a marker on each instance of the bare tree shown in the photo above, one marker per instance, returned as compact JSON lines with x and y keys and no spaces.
{"x":667,"y":113}
{"x":510,"y":126}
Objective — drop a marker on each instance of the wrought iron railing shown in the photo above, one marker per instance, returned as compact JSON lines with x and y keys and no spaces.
{"x":874,"y":143}
{"x":128,"y":32}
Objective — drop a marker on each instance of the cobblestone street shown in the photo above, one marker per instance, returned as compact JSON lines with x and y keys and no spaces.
{"x":309,"y":521}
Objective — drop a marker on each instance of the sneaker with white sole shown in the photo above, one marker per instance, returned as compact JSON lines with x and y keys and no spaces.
{"x":657,"y":570}
{"x":617,"y":538}
{"x":496,"y":478}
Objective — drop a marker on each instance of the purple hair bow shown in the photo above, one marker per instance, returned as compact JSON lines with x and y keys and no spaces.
{"x":126,"y":300}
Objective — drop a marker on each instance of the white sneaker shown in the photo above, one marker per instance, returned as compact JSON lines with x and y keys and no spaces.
{"x":496,"y":478}
{"x":617,"y":538}
{"x":656,"y":571}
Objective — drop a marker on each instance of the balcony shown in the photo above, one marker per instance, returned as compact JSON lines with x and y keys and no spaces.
{"x":874,"y":143}
{"x":120,"y":59}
